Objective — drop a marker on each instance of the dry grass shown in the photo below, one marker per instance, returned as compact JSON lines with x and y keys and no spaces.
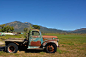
{"x":70,"y":46}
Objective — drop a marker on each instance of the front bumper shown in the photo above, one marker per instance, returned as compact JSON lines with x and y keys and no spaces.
{"x":58,"y":46}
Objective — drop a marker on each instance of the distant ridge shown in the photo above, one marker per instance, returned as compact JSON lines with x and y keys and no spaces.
{"x":19,"y":26}
{"x":82,"y":30}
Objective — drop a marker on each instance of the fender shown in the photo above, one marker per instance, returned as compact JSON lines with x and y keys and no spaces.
{"x":50,"y":41}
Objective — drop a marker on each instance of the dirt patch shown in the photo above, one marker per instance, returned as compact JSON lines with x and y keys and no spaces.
{"x":2,"y":43}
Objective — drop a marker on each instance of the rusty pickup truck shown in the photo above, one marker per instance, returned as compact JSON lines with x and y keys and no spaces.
{"x":35,"y":41}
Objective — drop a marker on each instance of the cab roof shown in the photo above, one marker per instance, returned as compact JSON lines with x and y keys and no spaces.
{"x":34,"y":30}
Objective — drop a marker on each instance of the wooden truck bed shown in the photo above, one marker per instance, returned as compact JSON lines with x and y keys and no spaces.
{"x":15,"y":39}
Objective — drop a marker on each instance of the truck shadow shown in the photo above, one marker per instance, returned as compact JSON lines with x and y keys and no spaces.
{"x":31,"y":50}
{"x":2,"y":48}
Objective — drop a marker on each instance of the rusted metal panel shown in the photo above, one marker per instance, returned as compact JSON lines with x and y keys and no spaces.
{"x":45,"y":39}
{"x":33,"y":43}
{"x":49,"y":36}
{"x":35,"y":39}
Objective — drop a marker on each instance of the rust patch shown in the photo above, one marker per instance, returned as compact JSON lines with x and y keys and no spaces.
{"x":38,"y":43}
{"x":44,"y":39}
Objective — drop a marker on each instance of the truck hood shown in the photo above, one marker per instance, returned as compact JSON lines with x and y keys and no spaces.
{"x":49,"y":36}
{"x":45,"y":38}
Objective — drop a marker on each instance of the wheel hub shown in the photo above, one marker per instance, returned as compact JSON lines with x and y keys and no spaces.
{"x":50,"y":48}
{"x":11,"y":49}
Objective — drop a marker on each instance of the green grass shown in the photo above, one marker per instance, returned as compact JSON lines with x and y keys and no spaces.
{"x":71,"y":45}
{"x":1,"y":52}
{"x":11,"y":36}
{"x":59,"y":51}
{"x":42,"y":53}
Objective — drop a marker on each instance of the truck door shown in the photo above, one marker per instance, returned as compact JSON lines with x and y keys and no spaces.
{"x":35,"y":38}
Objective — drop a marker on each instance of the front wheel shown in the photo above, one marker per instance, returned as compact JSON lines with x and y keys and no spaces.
{"x":12,"y":48}
{"x":51,"y":48}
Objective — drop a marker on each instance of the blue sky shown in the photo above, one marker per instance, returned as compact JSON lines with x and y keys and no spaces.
{"x":59,"y":14}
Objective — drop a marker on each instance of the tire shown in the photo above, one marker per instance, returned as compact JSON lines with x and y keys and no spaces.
{"x":51,"y":48}
{"x":12,"y":48}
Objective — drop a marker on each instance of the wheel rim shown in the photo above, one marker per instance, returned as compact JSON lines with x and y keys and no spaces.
{"x":11,"y":49}
{"x":50,"y":48}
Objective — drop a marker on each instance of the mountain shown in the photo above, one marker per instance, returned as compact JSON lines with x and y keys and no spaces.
{"x":82,"y":30}
{"x":19,"y":26}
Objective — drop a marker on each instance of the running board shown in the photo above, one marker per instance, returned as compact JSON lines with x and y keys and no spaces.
{"x":34,"y":47}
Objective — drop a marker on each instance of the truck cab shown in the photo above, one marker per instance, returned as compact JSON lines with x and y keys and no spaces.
{"x":35,"y":41}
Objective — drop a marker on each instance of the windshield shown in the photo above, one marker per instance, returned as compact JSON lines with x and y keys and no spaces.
{"x":35,"y":33}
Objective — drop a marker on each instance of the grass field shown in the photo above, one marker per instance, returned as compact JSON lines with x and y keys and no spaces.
{"x":71,"y":45}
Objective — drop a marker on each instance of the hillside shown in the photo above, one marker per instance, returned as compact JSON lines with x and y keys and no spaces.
{"x":82,"y":30}
{"x":19,"y":26}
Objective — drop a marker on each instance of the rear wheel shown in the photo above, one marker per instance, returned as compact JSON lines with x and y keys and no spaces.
{"x":12,"y":48}
{"x":51,"y":48}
